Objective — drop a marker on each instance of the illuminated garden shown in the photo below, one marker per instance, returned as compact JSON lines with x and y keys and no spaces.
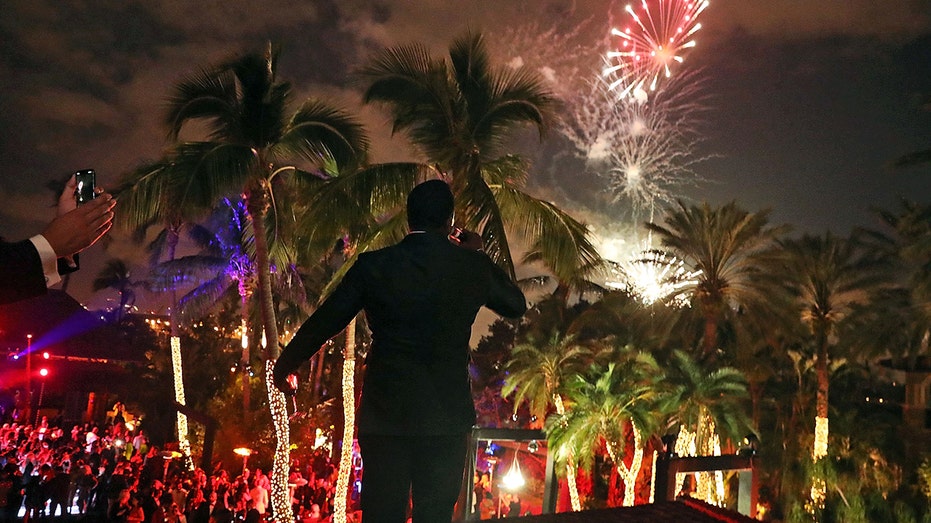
{"x":681,"y":329}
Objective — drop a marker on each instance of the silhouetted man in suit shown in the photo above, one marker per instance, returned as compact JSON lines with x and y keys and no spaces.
{"x":420,"y":298}
{"x":30,"y":266}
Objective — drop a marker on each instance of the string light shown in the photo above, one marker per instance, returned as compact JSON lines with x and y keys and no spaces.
{"x":653,"y":479}
{"x":821,"y":438}
{"x":630,"y":479}
{"x":183,"y":443}
{"x":349,"y":409}
{"x":820,"y":450}
{"x":281,"y":499}
{"x":574,"y":499}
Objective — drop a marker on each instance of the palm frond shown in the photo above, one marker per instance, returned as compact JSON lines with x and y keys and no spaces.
{"x":207,"y":95}
{"x":556,"y":239}
{"x":318,"y":131}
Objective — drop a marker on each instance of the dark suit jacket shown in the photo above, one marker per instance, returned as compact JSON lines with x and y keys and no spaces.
{"x":21,"y":274}
{"x":420,"y":298}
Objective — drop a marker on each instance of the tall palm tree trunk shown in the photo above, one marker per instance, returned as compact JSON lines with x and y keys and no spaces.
{"x":349,"y":423}
{"x":175,"y":341}
{"x":820,"y":450}
{"x":244,"y":295}
{"x":710,"y":337}
{"x":257,"y":205}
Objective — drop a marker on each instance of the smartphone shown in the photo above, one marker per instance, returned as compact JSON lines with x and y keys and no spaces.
{"x":85,"y":190}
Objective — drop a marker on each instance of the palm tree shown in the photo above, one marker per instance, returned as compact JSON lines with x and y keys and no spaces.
{"x":706,"y":405}
{"x":116,"y":275}
{"x":537,"y":372}
{"x":900,"y":321}
{"x":603,"y":402}
{"x":829,"y":277}
{"x":459,"y":112}
{"x":226,"y":263}
{"x":149,"y":195}
{"x":251,"y":147}
{"x":729,"y":247}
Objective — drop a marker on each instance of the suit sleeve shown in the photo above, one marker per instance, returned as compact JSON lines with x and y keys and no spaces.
{"x":22,"y":276}
{"x":504,"y":296}
{"x":328,"y":320}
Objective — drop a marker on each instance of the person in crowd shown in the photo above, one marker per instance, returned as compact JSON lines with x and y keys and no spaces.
{"x":420,"y":298}
{"x":119,"y":511}
{"x":259,"y":494}
{"x":136,"y":514}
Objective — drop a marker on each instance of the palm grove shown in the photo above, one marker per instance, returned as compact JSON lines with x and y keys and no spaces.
{"x":276,"y":199}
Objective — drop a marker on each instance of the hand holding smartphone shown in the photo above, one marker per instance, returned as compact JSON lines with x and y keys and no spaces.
{"x":86,"y":186}
{"x":467,"y":239}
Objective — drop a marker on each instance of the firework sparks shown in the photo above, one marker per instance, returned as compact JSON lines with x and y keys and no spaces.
{"x":644,"y":152}
{"x":656,"y":276}
{"x":558,"y":51}
{"x":652,"y":44}
{"x":650,"y":275}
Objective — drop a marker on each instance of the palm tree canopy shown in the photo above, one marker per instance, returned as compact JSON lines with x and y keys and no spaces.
{"x":460,"y":112}
{"x":251,"y":135}
{"x":694,"y":390}
{"x":601,"y":401}
{"x":725,"y":244}
{"x":538,"y":370}
{"x":114,"y":275}
{"x":459,"y":109}
{"x":829,"y":277}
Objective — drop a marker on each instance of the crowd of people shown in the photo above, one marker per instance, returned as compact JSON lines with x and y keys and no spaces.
{"x":108,"y":473}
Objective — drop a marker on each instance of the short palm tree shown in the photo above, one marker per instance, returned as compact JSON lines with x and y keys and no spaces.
{"x":226,"y":263}
{"x":151,"y":195}
{"x":537,"y":372}
{"x":706,"y":405}
{"x":728,"y":247}
{"x":459,"y":112}
{"x":602,"y":403}
{"x":252,"y":145}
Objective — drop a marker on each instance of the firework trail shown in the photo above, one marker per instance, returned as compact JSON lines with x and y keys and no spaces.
{"x":652,"y":44}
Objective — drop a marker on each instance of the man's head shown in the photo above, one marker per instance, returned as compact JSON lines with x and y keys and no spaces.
{"x":430,"y":206}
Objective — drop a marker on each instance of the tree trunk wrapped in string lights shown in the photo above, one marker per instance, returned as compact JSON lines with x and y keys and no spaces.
{"x":349,"y":423}
{"x":574,"y":498}
{"x":184,"y":443}
{"x":280,"y":497}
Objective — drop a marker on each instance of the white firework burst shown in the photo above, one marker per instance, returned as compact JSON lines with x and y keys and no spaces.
{"x":650,"y":275}
{"x":644,"y":150}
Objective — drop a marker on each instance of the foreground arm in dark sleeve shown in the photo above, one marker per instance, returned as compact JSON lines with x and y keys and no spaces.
{"x":504,"y":296}
{"x":328,"y":320}
{"x":22,"y":276}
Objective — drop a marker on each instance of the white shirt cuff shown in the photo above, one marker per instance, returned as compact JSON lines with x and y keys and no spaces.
{"x":49,"y":259}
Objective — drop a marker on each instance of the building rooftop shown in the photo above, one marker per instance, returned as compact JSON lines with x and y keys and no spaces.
{"x":684,"y":509}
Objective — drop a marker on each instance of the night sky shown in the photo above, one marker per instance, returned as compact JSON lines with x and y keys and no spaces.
{"x":807,"y":104}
